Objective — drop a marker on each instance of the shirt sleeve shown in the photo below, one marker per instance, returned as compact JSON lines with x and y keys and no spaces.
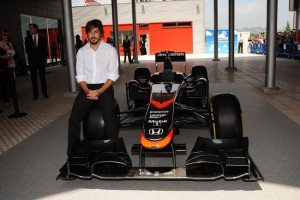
{"x":79,"y":68}
{"x":113,"y":69}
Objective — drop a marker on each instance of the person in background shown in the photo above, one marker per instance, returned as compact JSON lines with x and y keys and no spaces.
{"x":127,"y":51}
{"x":143,"y":46}
{"x":97,"y":68}
{"x":240,"y":45}
{"x":78,"y":43}
{"x":53,"y":49}
{"x":85,"y":41}
{"x":110,"y":41}
{"x":36,"y":49}
{"x":7,"y":55}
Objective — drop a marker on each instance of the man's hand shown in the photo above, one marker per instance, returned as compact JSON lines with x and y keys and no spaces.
{"x":93,"y":94}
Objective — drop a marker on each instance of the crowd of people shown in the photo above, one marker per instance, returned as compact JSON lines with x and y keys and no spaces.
{"x":287,"y":44}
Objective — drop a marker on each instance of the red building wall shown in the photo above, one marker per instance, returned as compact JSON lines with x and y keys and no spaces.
{"x":171,"y":38}
{"x":160,"y":38}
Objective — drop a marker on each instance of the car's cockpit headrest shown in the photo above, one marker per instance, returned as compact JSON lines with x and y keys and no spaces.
{"x":142,"y":75}
{"x":168,"y":63}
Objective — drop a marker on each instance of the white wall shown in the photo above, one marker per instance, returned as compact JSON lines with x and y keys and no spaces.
{"x":166,"y":11}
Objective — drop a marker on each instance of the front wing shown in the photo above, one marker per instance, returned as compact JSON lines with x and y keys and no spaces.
{"x":226,"y":159}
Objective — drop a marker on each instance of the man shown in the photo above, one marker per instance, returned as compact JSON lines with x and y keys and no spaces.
{"x":78,"y":43}
{"x":126,"y":46}
{"x":36,"y":49}
{"x":97,"y":69}
{"x":240,"y":45}
{"x":142,"y":46}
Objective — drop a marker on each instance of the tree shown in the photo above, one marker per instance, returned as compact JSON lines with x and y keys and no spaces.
{"x":288,"y":27}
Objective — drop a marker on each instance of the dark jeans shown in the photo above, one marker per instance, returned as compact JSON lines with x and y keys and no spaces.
{"x":34,"y":74}
{"x":80,"y":109}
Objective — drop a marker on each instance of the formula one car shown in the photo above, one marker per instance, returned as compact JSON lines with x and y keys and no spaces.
{"x":160,"y":105}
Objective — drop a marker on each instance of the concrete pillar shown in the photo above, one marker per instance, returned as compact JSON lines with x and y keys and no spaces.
{"x":134,"y":31}
{"x":114,"y":5}
{"x":271,"y":44}
{"x":216,"y":46}
{"x":231,"y":34}
{"x":70,"y":49}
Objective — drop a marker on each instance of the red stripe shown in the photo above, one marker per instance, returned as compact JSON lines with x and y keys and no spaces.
{"x":164,"y":104}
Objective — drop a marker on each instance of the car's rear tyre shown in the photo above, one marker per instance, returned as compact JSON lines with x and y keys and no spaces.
{"x":226,"y":117}
{"x":93,"y":124}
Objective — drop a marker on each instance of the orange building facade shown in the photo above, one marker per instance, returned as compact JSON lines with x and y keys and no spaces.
{"x":175,"y":36}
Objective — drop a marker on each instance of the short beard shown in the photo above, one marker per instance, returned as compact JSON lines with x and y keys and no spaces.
{"x":93,"y":43}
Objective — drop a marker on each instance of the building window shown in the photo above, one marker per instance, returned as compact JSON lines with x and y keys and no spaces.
{"x":143,"y":26}
{"x":184,"y":23}
{"x":176,"y":24}
{"x":122,"y":35}
{"x":169,"y":24}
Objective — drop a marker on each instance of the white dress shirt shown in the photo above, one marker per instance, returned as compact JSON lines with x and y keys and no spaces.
{"x":96,"y":67}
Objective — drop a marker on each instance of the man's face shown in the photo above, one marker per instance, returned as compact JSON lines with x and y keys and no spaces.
{"x":94,"y":36}
{"x":32,"y":30}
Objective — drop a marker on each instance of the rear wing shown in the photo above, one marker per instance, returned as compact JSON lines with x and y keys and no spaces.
{"x":174,"y":56}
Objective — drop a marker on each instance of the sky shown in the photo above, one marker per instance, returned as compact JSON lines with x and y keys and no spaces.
{"x":248,"y":13}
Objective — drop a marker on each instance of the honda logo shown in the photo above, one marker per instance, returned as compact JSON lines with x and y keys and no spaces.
{"x":156,"y":131}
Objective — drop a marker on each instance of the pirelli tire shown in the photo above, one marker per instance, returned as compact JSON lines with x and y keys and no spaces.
{"x":93,"y":124}
{"x":226,"y":117}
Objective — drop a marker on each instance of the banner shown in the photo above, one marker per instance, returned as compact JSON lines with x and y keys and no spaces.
{"x":223,"y":41}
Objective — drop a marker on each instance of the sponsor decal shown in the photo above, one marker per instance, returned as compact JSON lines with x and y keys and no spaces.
{"x":159,"y":111}
{"x":176,"y":54}
{"x":171,"y":54}
{"x":156,"y":131}
{"x":161,"y":54}
{"x":157,"y":122}
{"x":157,"y":116}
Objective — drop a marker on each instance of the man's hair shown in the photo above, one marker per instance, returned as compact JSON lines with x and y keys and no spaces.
{"x":95,"y":23}
{"x":34,"y":25}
